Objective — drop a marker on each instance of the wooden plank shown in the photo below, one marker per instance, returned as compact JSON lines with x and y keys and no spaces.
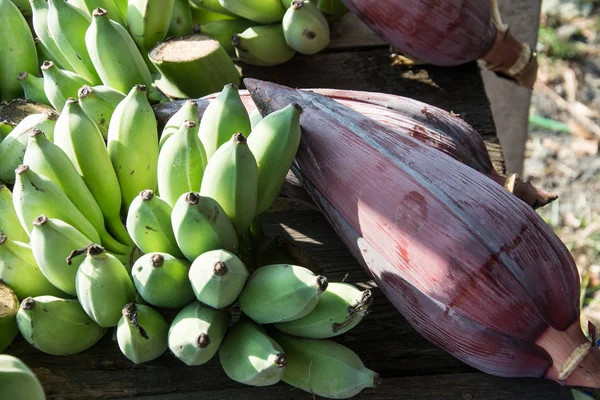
{"x":350,"y":33}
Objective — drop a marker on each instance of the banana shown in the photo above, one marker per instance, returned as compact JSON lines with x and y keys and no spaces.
{"x":197,"y":332}
{"x":188,"y":111}
{"x":261,"y":11}
{"x":33,"y":87}
{"x":162,"y":280}
{"x":263,"y":45}
{"x":251,"y":357}
{"x":281,"y":292}
{"x":218,"y":278}
{"x":40,"y":27}
{"x":181,"y":19}
{"x":103,"y":286}
{"x":213,"y":6}
{"x":60,"y":85}
{"x":200,"y":225}
{"x":255,"y":118}
{"x":12,"y":148}
{"x":23,"y":6}
{"x":231,"y":178}
{"x":108,"y":5}
{"x":181,"y":163}
{"x":114,"y":54}
{"x":274,"y":143}
{"x":82,"y":142}
{"x":122,"y":7}
{"x":305,"y":28}
{"x":333,"y":10}
{"x":142,"y":333}
{"x":133,"y":144}
{"x":80,"y":5}
{"x":223,"y":30}
{"x":9,"y":223}
{"x":99,"y":103}
{"x":17,"y":50}
{"x":5,"y":129}
{"x":18,"y":381}
{"x":224,"y":116}
{"x":72,"y":331}
{"x":340,"y":308}
{"x":324,"y":368}
{"x":9,"y":305}
{"x":67,"y":26}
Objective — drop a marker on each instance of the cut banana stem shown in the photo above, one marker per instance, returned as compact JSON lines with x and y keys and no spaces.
{"x":33,"y":87}
{"x":305,"y":28}
{"x":9,"y":305}
{"x":60,"y":84}
{"x":181,"y":19}
{"x":262,"y":45}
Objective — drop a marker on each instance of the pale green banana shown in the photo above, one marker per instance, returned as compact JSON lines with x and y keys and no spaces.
{"x":218,"y":278}
{"x":72,"y":331}
{"x":181,"y":19}
{"x":109,"y":6}
{"x":18,"y":381}
{"x":200,"y":225}
{"x":80,"y":5}
{"x":214,"y":6}
{"x":99,"y":103}
{"x":149,"y":224}
{"x":255,"y":118}
{"x":42,"y":51}
{"x":5,"y":129}
{"x":162,"y":280}
{"x":224,"y":117}
{"x":231,"y":178}
{"x":197,"y":332}
{"x":114,"y":55}
{"x":263,"y":45}
{"x":261,"y":11}
{"x":202,"y":15}
{"x":305,"y":28}
{"x":281,"y":292}
{"x":332,"y":9}
{"x":33,"y":87}
{"x":188,"y":111}
{"x":17,"y":50}
{"x":9,"y":223}
{"x":122,"y":7}
{"x":324,"y":368}
{"x":40,"y":26}
{"x":223,"y":31}
{"x":9,"y":305}
{"x":23,"y":6}
{"x":60,"y":85}
{"x":133,"y":144}
{"x":142,"y":333}
{"x":251,"y":357}
{"x":181,"y":163}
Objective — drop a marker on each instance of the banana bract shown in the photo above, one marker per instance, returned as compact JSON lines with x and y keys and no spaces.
{"x":99,"y":103}
{"x":17,"y":380}
{"x":9,"y":305}
{"x":281,"y":292}
{"x":262,"y":11}
{"x":60,"y":85}
{"x":187,"y":112}
{"x":251,"y":357}
{"x":72,"y":331}
{"x":9,"y":223}
{"x":305,"y":28}
{"x":142,"y":333}
{"x":197,"y":332}
{"x":33,"y":87}
{"x":263,"y":45}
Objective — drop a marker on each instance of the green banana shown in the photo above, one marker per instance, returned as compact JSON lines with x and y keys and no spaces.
{"x":305,"y":28}
{"x":333,"y":10}
{"x":103,"y":286}
{"x":17,"y":50}
{"x":231,"y":178}
{"x":261,"y":11}
{"x":213,"y":6}
{"x":162,"y":280}
{"x":72,"y":330}
{"x":274,"y":143}
{"x":251,"y":357}
{"x":202,"y":15}
{"x":200,"y":225}
{"x":181,"y":163}
{"x":142,"y":333}
{"x":181,"y":19}
{"x":9,"y":305}
{"x":82,"y":142}
{"x":33,"y":87}
{"x":197,"y":332}
{"x":9,"y":223}
{"x":255,"y":118}
{"x":223,"y":30}
{"x":281,"y":292}
{"x":122,"y":7}
{"x":340,"y":308}
{"x":80,"y":5}
{"x":262,"y":45}
{"x":23,"y":6}
{"x":114,"y":54}
{"x":218,"y":278}
{"x":133,"y":144}
{"x":40,"y":26}
{"x":109,"y":6}
{"x":5,"y":129}
{"x":99,"y":103}
{"x":324,"y":368}
{"x":224,"y":116}
{"x":42,"y":51}
{"x":60,"y":85}
{"x":18,"y":381}
{"x":188,"y":111}
{"x":67,"y":26}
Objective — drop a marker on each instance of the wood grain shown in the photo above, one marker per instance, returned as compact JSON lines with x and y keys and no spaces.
{"x":350,"y":33}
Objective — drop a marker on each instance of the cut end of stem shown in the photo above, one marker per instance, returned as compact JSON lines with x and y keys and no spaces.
{"x":220,"y":268}
{"x":297,"y":107}
{"x":51,"y":115}
{"x":23,"y":75}
{"x":28,"y":303}
{"x":281,"y":360}
{"x":33,"y":132}
{"x":189,"y":124}
{"x":71,"y":100}
{"x":203,"y":341}
{"x":297,"y":4}
{"x":239,"y":138}
{"x":46,"y":65}
{"x":2,"y":238}
{"x":322,"y":283}
{"x":192,"y":103}
{"x":192,"y":198}
{"x":157,"y":260}
{"x":85,"y":91}
{"x":235,"y":40}
{"x":21,"y":169}
{"x":231,"y":85}
{"x":95,"y":250}
{"x":99,"y":12}
{"x":377,"y":380}
{"x":147,"y":195}
{"x":41,"y":220}
{"x":140,"y":88}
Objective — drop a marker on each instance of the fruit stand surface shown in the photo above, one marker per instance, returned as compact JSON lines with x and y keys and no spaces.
{"x":410,"y":366}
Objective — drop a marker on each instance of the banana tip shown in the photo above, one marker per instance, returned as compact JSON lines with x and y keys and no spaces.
{"x":203,"y":341}
{"x":28,"y":303}
{"x":297,"y":4}
{"x":220,"y":268}
{"x":46,"y":65}
{"x":99,"y":12}
{"x":85,"y":91}
{"x":322,"y":283}
{"x":147,"y":195}
{"x":94,"y":250}
{"x":2,"y":238}
{"x":377,"y":381}
{"x":239,"y":138}
{"x":21,"y":169}
{"x":157,"y":260}
{"x":22,"y":75}
{"x":189,"y":124}
{"x":281,"y":360}
{"x":33,"y":132}
{"x":41,"y":220}
{"x":192,"y":198}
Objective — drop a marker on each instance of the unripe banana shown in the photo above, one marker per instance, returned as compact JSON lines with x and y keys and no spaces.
{"x":80,"y":5}
{"x":214,"y":6}
{"x":281,"y":292}
{"x":218,"y":278}
{"x":122,"y":7}
{"x":340,"y":308}
{"x":9,"y":305}
{"x":17,"y":50}
{"x":9,"y":223}
{"x":133,"y":144}
{"x":162,"y":280}
{"x":181,"y":163}
{"x":142,"y":333}
{"x":181,"y":19}
{"x":18,"y":381}
{"x":5,"y":129}
{"x":223,"y":31}
{"x":324,"y":368}
{"x":103,"y":287}
{"x":224,"y":117}
{"x":188,"y":111}
{"x":197,"y":332}
{"x":255,"y":118}
{"x":305,"y":28}
{"x":72,"y":331}
{"x":114,"y":54}
{"x":262,"y":11}
{"x":231,"y":178}
{"x":99,"y":103}
{"x":108,"y":5}
{"x":333,"y":10}
{"x":251,"y":357}
{"x":60,"y":84}
{"x":40,"y":26}
{"x":23,"y":6}
{"x":33,"y":87}
{"x":262,"y":45}
{"x":67,"y":26}
{"x":12,"y":148}
{"x":274,"y":143}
